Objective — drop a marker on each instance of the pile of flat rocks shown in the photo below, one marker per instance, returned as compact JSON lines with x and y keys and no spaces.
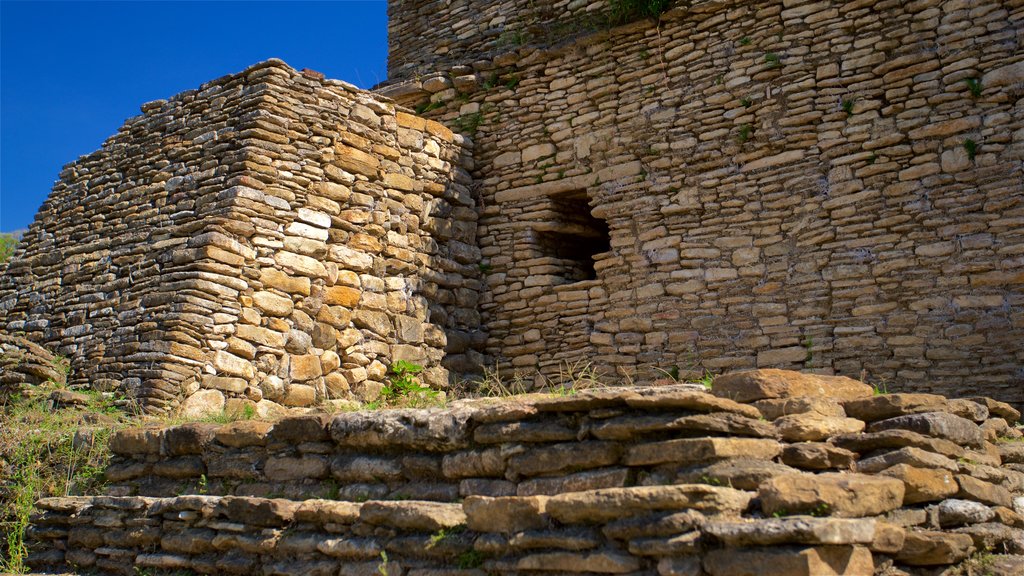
{"x":769,"y":473}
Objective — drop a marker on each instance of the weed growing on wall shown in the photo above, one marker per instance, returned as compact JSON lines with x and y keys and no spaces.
{"x":848,"y":106}
{"x":468,"y":123}
{"x":622,"y":11}
{"x":404,"y":389}
{"x":974,"y":86}
{"x":745,"y":132}
{"x":971,"y":147}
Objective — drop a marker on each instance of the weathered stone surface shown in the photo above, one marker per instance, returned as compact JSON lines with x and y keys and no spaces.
{"x":844,"y":495}
{"x":610,"y":503}
{"x":575,"y":482}
{"x":909,"y":455}
{"x":954,"y":512}
{"x":546,"y":431}
{"x":931,"y":548}
{"x":923,"y":484}
{"x":812,"y":427}
{"x":327,"y":511}
{"x":777,"y":407}
{"x":691,"y":450}
{"x":889,"y":538}
{"x":885,"y":406}
{"x":412,"y":515}
{"x":259,"y":511}
{"x":771,"y":383}
{"x":562,"y":457}
{"x":973,"y":411}
{"x":994,"y":536}
{"x":244,"y":433}
{"x":1000,"y":409}
{"x":817,"y":456}
{"x":681,"y":544}
{"x":896,"y":439}
{"x":685,"y":398}
{"x":974,"y":489}
{"x":296,"y":429}
{"x":935,"y":424}
{"x":596,"y":562}
{"x":790,"y":561}
{"x":742,"y":473}
{"x":350,"y":548}
{"x":1011,"y":452}
{"x":285,"y":469}
{"x":792,"y":530}
{"x":506,"y":515}
{"x":202,"y":404}
{"x":416,"y":429}
{"x":192,"y":438}
{"x":136,"y":441}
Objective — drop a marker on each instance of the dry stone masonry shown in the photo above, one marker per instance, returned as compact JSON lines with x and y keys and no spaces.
{"x":551,"y":191}
{"x":834,"y":187}
{"x":826,"y":186}
{"x":804,"y":475}
{"x":270,"y":238}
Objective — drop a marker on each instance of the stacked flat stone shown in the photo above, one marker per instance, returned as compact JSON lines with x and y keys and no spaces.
{"x":23,"y":362}
{"x":771,"y":473}
{"x":787,"y":184}
{"x":270,"y":239}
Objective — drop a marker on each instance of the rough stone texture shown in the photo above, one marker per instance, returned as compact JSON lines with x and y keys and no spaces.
{"x":791,"y":561}
{"x":752,"y":385}
{"x":753,"y":222}
{"x":24,"y":362}
{"x":813,"y":427}
{"x":923,"y":484}
{"x":587,"y":483}
{"x":611,"y":503}
{"x":242,"y":233}
{"x":931,"y":548}
{"x":843,"y":495}
{"x":937,"y":424}
{"x":795,"y":530}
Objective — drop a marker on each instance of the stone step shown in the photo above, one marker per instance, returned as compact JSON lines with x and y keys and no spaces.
{"x":668,"y":480}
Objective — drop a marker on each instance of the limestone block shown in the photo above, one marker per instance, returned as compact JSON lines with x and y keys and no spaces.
{"x":790,"y":561}
{"x":611,"y":503}
{"x":842,"y":495}
{"x":202,"y":404}
{"x":232,"y":365}
{"x":273,"y":304}
{"x":754,"y":385}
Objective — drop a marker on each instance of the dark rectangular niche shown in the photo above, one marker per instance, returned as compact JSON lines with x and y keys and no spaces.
{"x":572,"y":236}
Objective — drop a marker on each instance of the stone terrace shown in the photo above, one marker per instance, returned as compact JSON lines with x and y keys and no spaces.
{"x":774,"y":473}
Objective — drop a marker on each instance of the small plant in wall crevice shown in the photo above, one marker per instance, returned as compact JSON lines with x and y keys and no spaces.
{"x":745,"y":132}
{"x":972,"y":148}
{"x":974,"y":86}
{"x":847,"y":106}
{"x":404,"y":388}
{"x":622,"y":11}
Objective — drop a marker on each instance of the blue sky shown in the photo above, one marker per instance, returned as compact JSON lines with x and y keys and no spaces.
{"x":72,"y":72}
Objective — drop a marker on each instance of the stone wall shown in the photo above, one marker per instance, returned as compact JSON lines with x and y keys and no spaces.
{"x":272,"y":237}
{"x":425,"y":33}
{"x":830,"y":186}
{"x":801,"y":475}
